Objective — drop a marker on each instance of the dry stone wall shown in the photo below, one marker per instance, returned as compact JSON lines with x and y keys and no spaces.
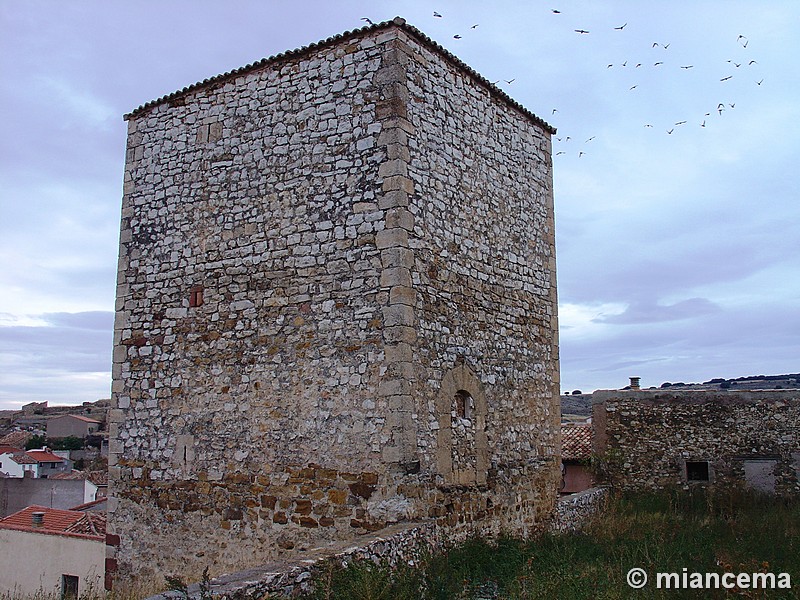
{"x":666,"y":439}
{"x":309,"y":273}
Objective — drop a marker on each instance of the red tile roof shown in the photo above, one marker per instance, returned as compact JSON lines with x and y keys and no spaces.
{"x":23,"y":458}
{"x":9,"y":449}
{"x":18,"y":439}
{"x":576,"y":441}
{"x":44,"y":456}
{"x":90,"y":505}
{"x":79,"y":417}
{"x":58,"y":522}
{"x":70,"y":475}
{"x":54,"y":519}
{"x":92,"y":523}
{"x":98,"y":478}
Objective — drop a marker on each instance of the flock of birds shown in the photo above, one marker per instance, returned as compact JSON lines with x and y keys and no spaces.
{"x":746,"y":63}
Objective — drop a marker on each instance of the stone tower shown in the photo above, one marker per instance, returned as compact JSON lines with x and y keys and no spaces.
{"x":336,"y":307}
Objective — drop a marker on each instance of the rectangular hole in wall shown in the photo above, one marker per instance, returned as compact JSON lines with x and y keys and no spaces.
{"x":697,"y":470}
{"x":69,"y":587}
{"x":196,"y":296}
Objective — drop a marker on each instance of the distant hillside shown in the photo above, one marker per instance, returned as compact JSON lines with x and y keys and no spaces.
{"x":581,"y":404}
{"x":755,"y":382}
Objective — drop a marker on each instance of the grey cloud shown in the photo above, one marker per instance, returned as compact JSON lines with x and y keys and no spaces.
{"x":733,"y":342}
{"x":642,"y":312}
{"x":97,"y":320}
{"x":70,"y":342}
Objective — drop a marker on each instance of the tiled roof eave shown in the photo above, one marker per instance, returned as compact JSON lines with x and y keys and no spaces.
{"x":43,"y":531}
{"x":304,"y":50}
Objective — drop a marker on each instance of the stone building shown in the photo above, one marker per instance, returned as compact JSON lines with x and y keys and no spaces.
{"x":336,"y":308}
{"x":658,"y":439}
{"x":72,"y":425}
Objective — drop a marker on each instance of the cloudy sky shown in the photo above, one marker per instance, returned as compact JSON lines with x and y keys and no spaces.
{"x":676,"y":168}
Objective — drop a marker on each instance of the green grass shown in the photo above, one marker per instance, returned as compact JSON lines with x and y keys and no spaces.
{"x":720,"y":531}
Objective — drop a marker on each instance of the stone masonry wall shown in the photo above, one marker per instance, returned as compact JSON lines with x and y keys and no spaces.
{"x":746,"y":438}
{"x":483,"y":240}
{"x":299,"y":299}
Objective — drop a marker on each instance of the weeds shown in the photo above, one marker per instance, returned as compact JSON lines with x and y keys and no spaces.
{"x":713,"y":531}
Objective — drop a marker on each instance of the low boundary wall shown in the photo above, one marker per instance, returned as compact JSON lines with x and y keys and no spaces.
{"x":573,"y":512}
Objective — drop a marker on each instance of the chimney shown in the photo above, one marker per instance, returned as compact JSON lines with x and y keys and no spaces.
{"x":635,"y":383}
{"x":37,"y":519}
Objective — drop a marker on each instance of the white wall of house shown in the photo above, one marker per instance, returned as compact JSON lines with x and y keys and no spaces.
{"x":13,"y":469}
{"x":9,"y":467}
{"x":40,"y":559}
{"x":89,"y":491}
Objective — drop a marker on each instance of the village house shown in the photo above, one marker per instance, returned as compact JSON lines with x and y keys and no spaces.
{"x":576,"y":455}
{"x":665,"y":438}
{"x":71,"y":426}
{"x":49,"y":463}
{"x":15,"y":462}
{"x":54,"y":551}
{"x":31,"y":463}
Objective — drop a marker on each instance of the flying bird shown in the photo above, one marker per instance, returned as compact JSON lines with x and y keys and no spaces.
{"x":580,"y":154}
{"x":638,"y":65}
{"x":703,"y":124}
{"x":655,"y":44}
{"x":581,"y":31}
{"x":621,"y":27}
{"x":633,"y":87}
{"x":670,"y":131}
{"x":648,"y":125}
{"x":687,"y":67}
{"x":436,"y":14}
{"x":720,"y":107}
{"x":737,"y":65}
{"x":732,"y":105}
{"x":658,"y":63}
{"x":759,"y":82}
{"x":562,"y":152}
{"x":665,"y":46}
{"x":556,"y":12}
{"x":609,"y":66}
{"x":590,"y":139}
{"x":555,"y":110}
{"x":510,"y":81}
{"x":625,"y":64}
{"x":369,"y":21}
{"x":752,"y":62}
{"x":726,"y":78}
{"x":680,"y":123}
{"x":456,"y":37}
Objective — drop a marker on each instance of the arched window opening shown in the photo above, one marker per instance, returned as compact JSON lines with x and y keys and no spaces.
{"x":462,"y":445}
{"x":463,"y":405}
